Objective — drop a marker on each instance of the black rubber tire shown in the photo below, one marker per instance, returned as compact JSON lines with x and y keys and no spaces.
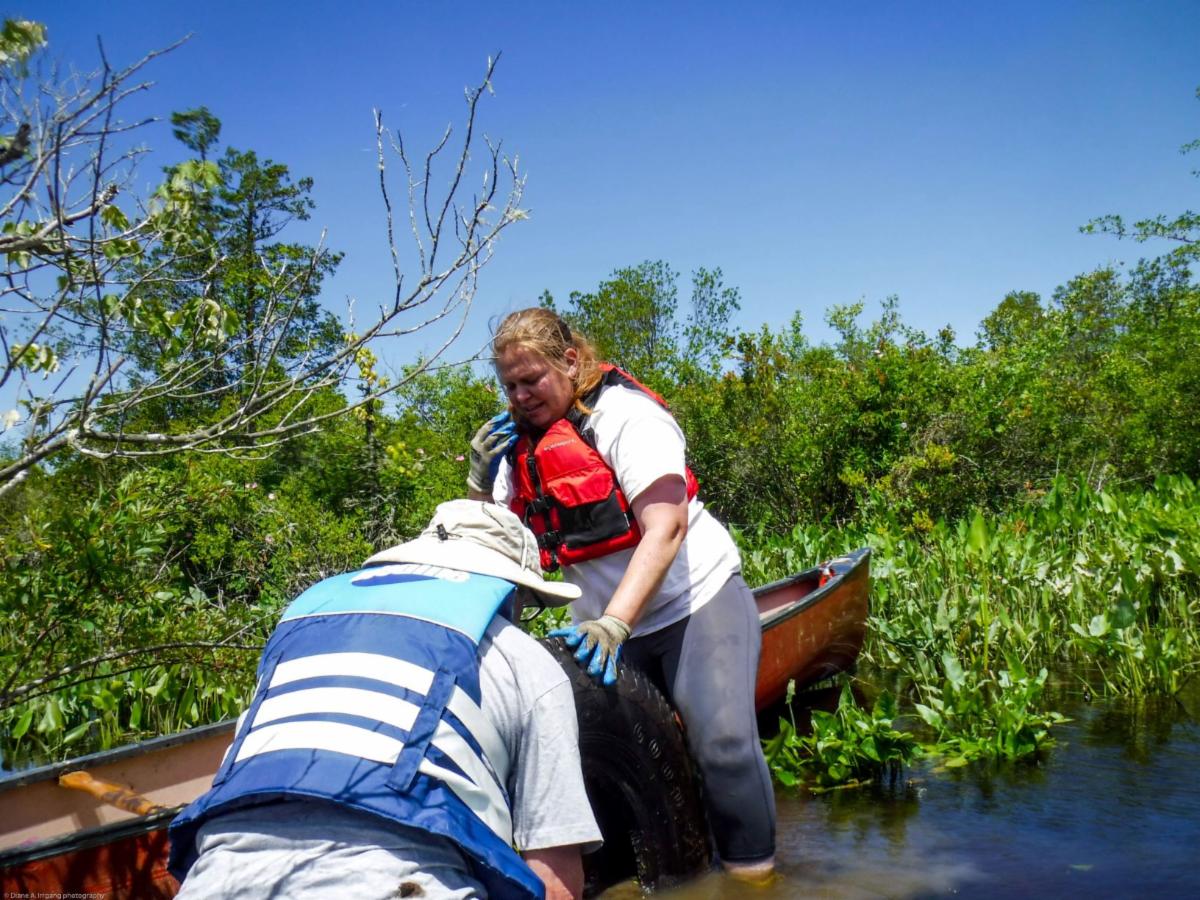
{"x":640,"y":779}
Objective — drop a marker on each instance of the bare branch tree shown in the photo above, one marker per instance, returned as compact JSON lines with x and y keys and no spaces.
{"x":82,"y":258}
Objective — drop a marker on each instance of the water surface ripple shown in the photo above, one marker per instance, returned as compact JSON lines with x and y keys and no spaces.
{"x":1112,"y":811}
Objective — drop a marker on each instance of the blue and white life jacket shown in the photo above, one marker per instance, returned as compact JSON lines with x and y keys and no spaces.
{"x":368,"y":696}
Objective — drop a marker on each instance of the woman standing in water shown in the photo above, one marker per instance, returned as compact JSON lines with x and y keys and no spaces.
{"x":594,"y":464}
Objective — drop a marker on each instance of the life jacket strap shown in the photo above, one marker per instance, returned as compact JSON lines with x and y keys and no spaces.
{"x":409,"y":760}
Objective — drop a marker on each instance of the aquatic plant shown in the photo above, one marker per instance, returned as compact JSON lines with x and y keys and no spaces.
{"x":848,"y":747}
{"x":970,"y":616}
{"x":1071,"y":579}
{"x":114,"y":705}
{"x":979,"y":716}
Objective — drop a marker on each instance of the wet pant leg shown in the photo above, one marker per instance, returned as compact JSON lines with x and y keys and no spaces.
{"x":708,"y":664}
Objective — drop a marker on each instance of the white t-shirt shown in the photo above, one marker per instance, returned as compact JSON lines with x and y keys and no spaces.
{"x":298,"y":849}
{"x":528,"y":697}
{"x":641,"y":442}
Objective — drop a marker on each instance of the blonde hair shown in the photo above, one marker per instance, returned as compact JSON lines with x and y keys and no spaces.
{"x":545,"y":333}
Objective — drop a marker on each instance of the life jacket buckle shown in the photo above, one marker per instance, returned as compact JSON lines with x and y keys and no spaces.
{"x":538,"y":505}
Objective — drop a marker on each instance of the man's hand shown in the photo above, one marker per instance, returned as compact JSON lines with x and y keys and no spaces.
{"x":488,"y":447}
{"x":599,"y":643}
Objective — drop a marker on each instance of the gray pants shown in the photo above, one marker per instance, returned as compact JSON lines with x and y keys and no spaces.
{"x":707,"y":665}
{"x":312,"y":849}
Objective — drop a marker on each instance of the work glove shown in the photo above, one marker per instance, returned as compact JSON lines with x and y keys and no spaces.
{"x":488,"y":447}
{"x":599,"y":641}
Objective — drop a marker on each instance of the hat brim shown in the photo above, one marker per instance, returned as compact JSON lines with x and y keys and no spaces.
{"x":467,"y":556}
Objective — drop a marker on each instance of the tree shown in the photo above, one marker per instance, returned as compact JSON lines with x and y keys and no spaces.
{"x":708,"y":338}
{"x":1017,"y":315}
{"x":236,"y":227}
{"x":197,"y":129}
{"x":88,"y":268}
{"x":632,"y":317}
{"x":1183,"y":229}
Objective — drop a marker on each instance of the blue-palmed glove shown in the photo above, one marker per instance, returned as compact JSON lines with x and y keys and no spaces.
{"x":598,"y":643}
{"x":488,"y":447}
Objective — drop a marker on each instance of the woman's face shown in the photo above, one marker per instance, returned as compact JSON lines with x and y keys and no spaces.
{"x":539,"y":392}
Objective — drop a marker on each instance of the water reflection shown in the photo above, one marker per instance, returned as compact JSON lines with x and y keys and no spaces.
{"x":1112,"y":811}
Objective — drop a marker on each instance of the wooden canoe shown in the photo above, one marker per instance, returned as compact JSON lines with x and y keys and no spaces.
{"x":57,"y":840}
{"x":813,"y":625}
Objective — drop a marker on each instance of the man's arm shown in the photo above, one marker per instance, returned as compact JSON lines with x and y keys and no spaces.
{"x":561,"y":870}
{"x":552,"y":819}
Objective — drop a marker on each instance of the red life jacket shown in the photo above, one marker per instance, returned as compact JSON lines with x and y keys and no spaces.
{"x":567,"y":495}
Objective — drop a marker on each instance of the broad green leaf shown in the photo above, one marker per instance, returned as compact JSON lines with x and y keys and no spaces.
{"x":1123,"y":613}
{"x":22,"y":725}
{"x":953,"y":669}
{"x":977,"y":536}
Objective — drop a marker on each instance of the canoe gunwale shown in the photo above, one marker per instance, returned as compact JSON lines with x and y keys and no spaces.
{"x":843,"y":567}
{"x":105,"y":757}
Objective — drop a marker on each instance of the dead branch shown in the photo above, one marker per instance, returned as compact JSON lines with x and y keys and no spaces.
{"x":73,"y":303}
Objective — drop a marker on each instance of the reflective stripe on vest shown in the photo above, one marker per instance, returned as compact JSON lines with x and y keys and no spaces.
{"x":482,"y":787}
{"x":396,"y":671}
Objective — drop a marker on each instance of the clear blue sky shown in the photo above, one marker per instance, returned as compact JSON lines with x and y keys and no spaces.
{"x":819,"y":153}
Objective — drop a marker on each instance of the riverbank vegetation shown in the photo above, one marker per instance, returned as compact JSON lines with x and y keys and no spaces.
{"x":1029,"y":492}
{"x":1094,"y":590}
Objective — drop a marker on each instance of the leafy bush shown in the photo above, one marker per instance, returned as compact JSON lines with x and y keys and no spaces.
{"x":103,"y":638}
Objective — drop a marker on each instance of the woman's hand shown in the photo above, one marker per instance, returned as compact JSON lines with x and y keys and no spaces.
{"x":488,"y":447}
{"x":599,"y":645}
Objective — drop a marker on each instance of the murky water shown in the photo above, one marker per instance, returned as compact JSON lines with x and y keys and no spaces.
{"x":1112,"y":811}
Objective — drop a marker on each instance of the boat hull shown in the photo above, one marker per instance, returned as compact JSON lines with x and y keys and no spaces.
{"x":812,"y":631}
{"x":126,"y":861}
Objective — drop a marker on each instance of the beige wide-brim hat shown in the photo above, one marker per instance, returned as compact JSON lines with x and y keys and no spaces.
{"x":482,"y":538}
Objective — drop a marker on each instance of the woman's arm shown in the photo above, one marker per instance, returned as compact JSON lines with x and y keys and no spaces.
{"x":661,"y":511}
